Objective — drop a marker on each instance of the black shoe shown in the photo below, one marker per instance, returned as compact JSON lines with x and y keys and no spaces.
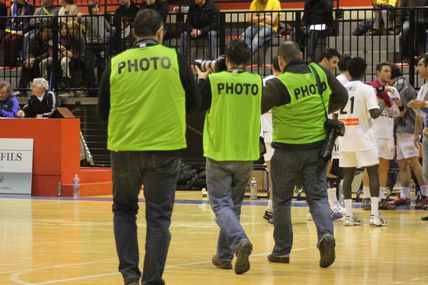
{"x":384,"y":205}
{"x":278,"y":258}
{"x":268,"y":215}
{"x":222,"y":263}
{"x":326,"y":248}
{"x":424,"y":218}
{"x":243,"y":252}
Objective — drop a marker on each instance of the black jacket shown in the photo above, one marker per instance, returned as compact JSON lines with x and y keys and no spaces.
{"x":317,"y":12}
{"x":160,"y":6}
{"x":203,"y":18}
{"x":44,"y":107}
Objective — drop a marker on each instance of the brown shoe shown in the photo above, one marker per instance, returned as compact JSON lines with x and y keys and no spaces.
{"x":243,"y":253}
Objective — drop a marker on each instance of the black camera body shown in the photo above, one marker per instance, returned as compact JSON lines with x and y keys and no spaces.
{"x":334,"y":129}
{"x":216,"y":65}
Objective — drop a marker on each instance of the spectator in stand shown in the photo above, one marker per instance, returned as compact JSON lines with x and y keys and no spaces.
{"x":201,"y":22}
{"x":330,"y":59}
{"x":9,"y":105}
{"x":76,"y":54}
{"x":98,"y":32}
{"x":420,"y":26}
{"x":16,"y":27}
{"x":3,"y":19}
{"x":407,"y":152}
{"x":42,"y":103}
{"x":264,"y":26}
{"x":122,"y":20}
{"x":318,"y":22}
{"x":68,"y":8}
{"x":39,"y":50}
{"x":385,"y":13}
{"x":47,"y":9}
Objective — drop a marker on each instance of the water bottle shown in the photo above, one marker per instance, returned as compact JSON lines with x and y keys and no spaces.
{"x":253,"y":189}
{"x":76,"y":186}
{"x":204,"y":193}
{"x":59,"y":189}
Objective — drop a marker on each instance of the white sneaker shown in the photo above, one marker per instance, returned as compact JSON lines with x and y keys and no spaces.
{"x":378,"y":221}
{"x":309,"y":217}
{"x":351,"y":221}
{"x":338,"y":209}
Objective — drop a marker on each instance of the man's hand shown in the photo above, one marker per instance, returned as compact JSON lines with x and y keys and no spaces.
{"x":417,"y":103}
{"x":201,"y":74}
{"x":38,"y":116}
{"x":20,"y":114}
{"x":195,"y":33}
{"x":417,"y":141}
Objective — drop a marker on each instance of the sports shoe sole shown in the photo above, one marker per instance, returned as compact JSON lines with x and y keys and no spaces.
{"x":327,"y":252}
{"x":223,"y":264}
{"x":242,"y":263}
{"x":278,"y":259}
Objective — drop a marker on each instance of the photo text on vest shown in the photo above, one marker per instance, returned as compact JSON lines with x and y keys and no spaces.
{"x":144,"y":64}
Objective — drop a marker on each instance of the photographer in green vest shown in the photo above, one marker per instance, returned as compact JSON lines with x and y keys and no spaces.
{"x":144,"y":94}
{"x":232,"y":99}
{"x":300,"y":99}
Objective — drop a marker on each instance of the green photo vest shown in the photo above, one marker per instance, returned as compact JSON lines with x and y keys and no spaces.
{"x":302,"y":120}
{"x":147,"y":101}
{"x":232,"y":125}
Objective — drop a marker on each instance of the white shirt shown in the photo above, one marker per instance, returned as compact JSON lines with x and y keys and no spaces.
{"x":423,"y":92}
{"x":342,"y":79}
{"x":359,"y":134}
{"x":383,"y":126}
{"x":266,"y":120}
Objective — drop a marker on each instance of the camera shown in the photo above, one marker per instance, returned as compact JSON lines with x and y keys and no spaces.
{"x":216,"y":65}
{"x":334,"y":129}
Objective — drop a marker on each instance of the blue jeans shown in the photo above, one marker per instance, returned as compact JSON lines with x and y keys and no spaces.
{"x":226,"y":182}
{"x":288,"y":167}
{"x":158,"y":171}
{"x":185,"y":40}
{"x":256,"y":36}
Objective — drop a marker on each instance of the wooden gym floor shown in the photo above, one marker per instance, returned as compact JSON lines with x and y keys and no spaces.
{"x":71,"y":242}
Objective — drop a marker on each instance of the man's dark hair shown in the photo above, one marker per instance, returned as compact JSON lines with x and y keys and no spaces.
{"x":329,"y":53}
{"x":147,"y":22}
{"x":395,"y":71}
{"x":289,"y":51}
{"x":238,"y":52}
{"x":357,"y":67}
{"x":343,"y":62}
{"x":382,"y":64}
{"x":424,"y":57}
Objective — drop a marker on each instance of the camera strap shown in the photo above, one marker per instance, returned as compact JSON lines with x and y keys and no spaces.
{"x":320,"y":89}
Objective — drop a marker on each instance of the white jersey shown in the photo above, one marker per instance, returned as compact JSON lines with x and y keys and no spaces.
{"x":422,"y":95}
{"x":342,"y":79}
{"x":383,"y":126}
{"x":359,"y":135}
{"x":266,"y":120}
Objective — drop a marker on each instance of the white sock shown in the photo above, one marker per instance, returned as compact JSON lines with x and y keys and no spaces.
{"x":424,"y":190}
{"x":382,"y":191}
{"x":348,"y":207}
{"x":269,"y":206}
{"x":332,"y":198}
{"x":375,"y":206}
{"x":366,"y":191}
{"x":404,"y":192}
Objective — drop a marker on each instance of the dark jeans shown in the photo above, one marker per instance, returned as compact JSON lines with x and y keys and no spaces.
{"x":313,"y":40}
{"x":185,"y":39}
{"x":12,"y":46}
{"x":256,"y":36}
{"x":94,"y":60}
{"x":158,"y":171}
{"x":28,"y":74}
{"x":288,"y":167}
{"x":226,"y":182}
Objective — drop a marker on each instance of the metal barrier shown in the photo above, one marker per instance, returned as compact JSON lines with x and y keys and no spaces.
{"x":72,"y":51}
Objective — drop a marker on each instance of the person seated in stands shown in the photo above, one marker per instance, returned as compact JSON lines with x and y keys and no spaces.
{"x":385,"y":14}
{"x":47,"y":9}
{"x":42,"y":103}
{"x":318,"y":22}
{"x":68,"y":8}
{"x":9,"y":105}
{"x":98,"y":32}
{"x":201,"y":22}
{"x":75,"y":53}
{"x":123,"y":17}
{"x":39,"y":50}
{"x":264,"y":25}
{"x":16,"y":27}
{"x":420,"y":26}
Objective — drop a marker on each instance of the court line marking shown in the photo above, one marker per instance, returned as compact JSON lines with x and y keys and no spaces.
{"x":15,"y":277}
